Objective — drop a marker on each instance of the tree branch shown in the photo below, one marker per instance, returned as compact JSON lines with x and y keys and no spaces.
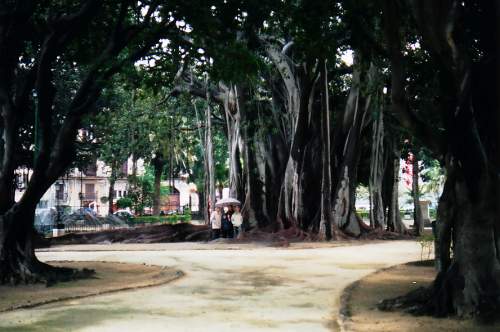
{"x":424,"y":132}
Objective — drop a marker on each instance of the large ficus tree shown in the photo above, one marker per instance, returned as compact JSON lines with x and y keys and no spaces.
{"x":95,"y":40}
{"x":460,"y":126}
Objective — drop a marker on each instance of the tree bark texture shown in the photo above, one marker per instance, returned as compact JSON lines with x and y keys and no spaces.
{"x":325,"y":228}
{"x":209,"y":157}
{"x":233,"y":122}
{"x":347,"y":151}
{"x":377,"y":168}
{"x":18,"y":262}
{"x":300,"y":200}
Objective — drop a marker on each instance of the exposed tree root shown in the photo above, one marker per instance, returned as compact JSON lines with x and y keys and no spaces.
{"x":148,"y":234}
{"x":438,"y":301}
{"x":380,"y":234}
{"x":416,"y":302}
{"x":39,"y":272}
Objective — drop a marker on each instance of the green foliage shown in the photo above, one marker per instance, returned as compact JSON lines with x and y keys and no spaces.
{"x":364,"y":214}
{"x":124,"y":202}
{"x":235,"y":64}
{"x":165,"y":190}
{"x":426,"y":242}
{"x":141,"y":190}
{"x":163,"y":219}
{"x":111,"y":128}
{"x":433,"y":178}
{"x":432,"y":213}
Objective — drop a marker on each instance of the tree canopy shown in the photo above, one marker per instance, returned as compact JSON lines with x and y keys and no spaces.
{"x":291,"y":104}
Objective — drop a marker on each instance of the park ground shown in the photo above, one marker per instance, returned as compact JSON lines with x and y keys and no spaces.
{"x":226,"y":287}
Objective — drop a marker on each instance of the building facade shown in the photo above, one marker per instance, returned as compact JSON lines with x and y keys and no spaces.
{"x":89,"y":188}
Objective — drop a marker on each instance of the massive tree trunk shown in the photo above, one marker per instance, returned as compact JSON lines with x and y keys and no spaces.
{"x":18,"y":262}
{"x":256,"y":154}
{"x":377,"y":168}
{"x":347,"y":151}
{"x":232,"y":111}
{"x":300,"y":199}
{"x":257,"y":209}
{"x":325,"y":228}
{"x":56,"y":148}
{"x":468,"y":281}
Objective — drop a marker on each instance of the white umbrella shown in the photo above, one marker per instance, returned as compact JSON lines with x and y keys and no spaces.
{"x":227,"y":201}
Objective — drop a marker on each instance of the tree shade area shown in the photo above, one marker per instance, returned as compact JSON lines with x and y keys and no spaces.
{"x":291,"y":105}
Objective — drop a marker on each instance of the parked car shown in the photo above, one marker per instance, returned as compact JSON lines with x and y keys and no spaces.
{"x":124,"y":214}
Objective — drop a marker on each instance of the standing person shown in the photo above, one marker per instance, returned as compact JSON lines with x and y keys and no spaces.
{"x":215,"y":222}
{"x":227,"y":226}
{"x":237,"y":220}
{"x":230,"y":211}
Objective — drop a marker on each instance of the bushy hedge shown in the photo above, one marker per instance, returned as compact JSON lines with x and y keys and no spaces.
{"x":365,"y":214}
{"x":124,"y":203}
{"x":163,"y":219}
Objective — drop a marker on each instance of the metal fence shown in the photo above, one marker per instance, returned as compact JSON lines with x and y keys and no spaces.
{"x":76,"y":219}
{"x":73,"y":219}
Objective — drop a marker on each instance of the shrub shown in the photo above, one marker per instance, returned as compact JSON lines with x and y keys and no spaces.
{"x":172,"y":218}
{"x":364,"y":214}
{"x":124,"y":202}
{"x":426,"y":242}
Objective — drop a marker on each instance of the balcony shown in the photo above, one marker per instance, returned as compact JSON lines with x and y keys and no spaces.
{"x":88,"y":196}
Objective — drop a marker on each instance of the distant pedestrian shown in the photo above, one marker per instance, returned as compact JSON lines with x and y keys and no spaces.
{"x":237,"y":220}
{"x":215,"y":222}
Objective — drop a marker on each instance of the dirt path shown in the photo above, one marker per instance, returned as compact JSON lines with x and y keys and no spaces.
{"x":252,"y":289}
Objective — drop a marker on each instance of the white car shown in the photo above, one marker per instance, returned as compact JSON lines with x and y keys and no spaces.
{"x":123,"y":214}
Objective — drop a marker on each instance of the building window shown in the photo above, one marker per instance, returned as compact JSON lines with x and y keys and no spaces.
{"x":43,"y":204}
{"x":60,"y":191}
{"x":119,"y":193}
{"x":89,"y":191}
{"x":114,"y":193}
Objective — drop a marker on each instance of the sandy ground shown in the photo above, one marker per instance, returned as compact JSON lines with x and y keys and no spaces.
{"x":109,"y":277}
{"x":393,"y":282}
{"x":239,"y":288}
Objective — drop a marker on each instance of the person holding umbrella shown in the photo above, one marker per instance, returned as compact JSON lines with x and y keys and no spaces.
{"x":227,"y":226}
